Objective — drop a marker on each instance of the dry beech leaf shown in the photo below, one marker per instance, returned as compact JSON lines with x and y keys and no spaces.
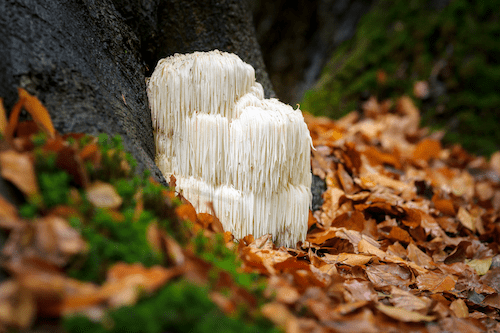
{"x":186,"y":211}
{"x":459,"y":308}
{"x":435,"y":282}
{"x":18,"y":169}
{"x":466,"y":219}
{"x":405,"y":300}
{"x":366,"y":247}
{"x":37,"y":111}
{"x":388,"y":275}
{"x":427,"y":149}
{"x":122,"y":287}
{"x":481,"y":266}
{"x":360,"y":290}
{"x":419,"y":257}
{"x":3,"y":117}
{"x":348,"y":258}
{"x":277,"y":313}
{"x":103,"y":195}
{"x":402,"y":314}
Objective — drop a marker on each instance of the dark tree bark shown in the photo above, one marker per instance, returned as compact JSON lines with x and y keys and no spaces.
{"x":87,"y":60}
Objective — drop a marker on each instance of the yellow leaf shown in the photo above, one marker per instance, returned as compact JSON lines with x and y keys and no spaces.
{"x":481,"y":266}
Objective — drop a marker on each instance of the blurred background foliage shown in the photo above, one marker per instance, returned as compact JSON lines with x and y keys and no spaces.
{"x":455,"y":50}
{"x":452,"y":46}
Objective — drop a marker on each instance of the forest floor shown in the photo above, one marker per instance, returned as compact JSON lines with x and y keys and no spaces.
{"x":407,"y":238}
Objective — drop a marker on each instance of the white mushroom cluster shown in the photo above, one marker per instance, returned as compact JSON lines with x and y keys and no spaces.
{"x":227,"y":146}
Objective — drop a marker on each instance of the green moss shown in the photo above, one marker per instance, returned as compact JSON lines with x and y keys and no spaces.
{"x":111,"y":241}
{"x":407,"y":40}
{"x":178,"y":307}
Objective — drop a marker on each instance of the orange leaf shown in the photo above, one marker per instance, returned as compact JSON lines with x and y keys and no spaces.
{"x":38,"y":112}
{"x":3,"y":117}
{"x":435,"y":282}
{"x":427,"y":149}
{"x":14,"y":119}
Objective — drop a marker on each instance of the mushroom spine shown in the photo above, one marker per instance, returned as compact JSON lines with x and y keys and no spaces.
{"x":227,"y":145}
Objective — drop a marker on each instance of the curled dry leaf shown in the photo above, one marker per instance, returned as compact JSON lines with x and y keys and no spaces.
{"x":403,"y":314}
{"x":103,"y":195}
{"x":18,"y":168}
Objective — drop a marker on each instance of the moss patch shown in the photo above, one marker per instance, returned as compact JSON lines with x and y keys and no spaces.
{"x":456,"y":49}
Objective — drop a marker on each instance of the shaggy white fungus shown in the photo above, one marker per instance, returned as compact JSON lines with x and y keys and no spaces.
{"x":226,"y":144}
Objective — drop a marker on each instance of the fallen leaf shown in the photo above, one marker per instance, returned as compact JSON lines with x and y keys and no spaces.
{"x":481,"y":266}
{"x":406,"y":300}
{"x":388,"y":275}
{"x":103,"y":195}
{"x":348,"y":259}
{"x":427,"y":149}
{"x":402,"y":314}
{"x":3,"y":117}
{"x":18,"y":169}
{"x":419,"y":257}
{"x":466,"y":219}
{"x":37,"y":111}
{"x":459,"y":308}
{"x":278,"y":313}
{"x":436,"y":282}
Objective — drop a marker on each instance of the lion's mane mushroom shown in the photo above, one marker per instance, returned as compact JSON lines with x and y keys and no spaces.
{"x":226,"y":144}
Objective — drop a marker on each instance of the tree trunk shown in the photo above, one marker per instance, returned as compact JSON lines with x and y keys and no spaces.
{"x":87,"y":60}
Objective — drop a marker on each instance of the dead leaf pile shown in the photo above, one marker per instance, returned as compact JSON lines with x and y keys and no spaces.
{"x":407,"y":238}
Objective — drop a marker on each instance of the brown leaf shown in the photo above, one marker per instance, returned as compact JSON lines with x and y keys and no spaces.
{"x":360,"y":290}
{"x":103,"y":195}
{"x":459,"y":308}
{"x":278,"y":313}
{"x":69,"y":160}
{"x":402,"y":314}
{"x":3,"y":117}
{"x":427,"y":149}
{"x":388,"y":275}
{"x":17,"y":306}
{"x":445,"y":206}
{"x":398,"y":234}
{"x":348,"y":259}
{"x":18,"y":169}
{"x":406,"y":300}
{"x":8,"y":215}
{"x":353,"y":220}
{"x":419,"y":257}
{"x":466,"y":219}
{"x":436,"y":282}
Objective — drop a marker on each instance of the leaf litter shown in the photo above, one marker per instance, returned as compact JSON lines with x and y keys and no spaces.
{"x":406,"y":238}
